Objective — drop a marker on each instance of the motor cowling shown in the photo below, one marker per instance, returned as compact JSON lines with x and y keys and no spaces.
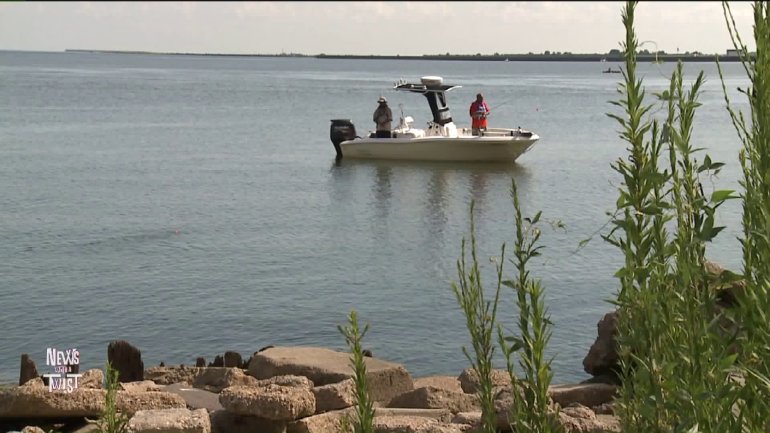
{"x":341,"y":130}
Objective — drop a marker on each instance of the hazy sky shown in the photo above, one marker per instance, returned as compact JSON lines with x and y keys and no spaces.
{"x":388,"y":28}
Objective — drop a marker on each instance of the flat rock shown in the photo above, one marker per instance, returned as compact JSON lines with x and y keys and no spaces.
{"x":337,"y":421}
{"x":195,"y":398}
{"x":223,"y":421}
{"x":170,"y":421}
{"x":408,"y":424}
{"x":169,"y":375}
{"x":324,"y":366}
{"x":586,"y":394}
{"x":429,"y":397}
{"x":450,"y":383}
{"x":38,"y":402}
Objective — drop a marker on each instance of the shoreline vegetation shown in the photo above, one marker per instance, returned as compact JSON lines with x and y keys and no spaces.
{"x":612,"y":56}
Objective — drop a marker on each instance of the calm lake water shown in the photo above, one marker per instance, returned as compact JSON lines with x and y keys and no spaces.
{"x":192,"y":205}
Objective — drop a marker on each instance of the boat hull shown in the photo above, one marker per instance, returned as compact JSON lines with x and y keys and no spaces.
{"x":470,"y":149}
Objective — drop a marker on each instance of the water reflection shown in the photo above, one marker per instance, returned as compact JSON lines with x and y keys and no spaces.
{"x":382,"y":189}
{"x":437,"y":188}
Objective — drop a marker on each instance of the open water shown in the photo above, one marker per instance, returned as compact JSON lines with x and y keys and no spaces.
{"x":192,"y":205}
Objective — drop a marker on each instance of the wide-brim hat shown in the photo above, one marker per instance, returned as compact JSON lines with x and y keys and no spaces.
{"x":382,"y":100}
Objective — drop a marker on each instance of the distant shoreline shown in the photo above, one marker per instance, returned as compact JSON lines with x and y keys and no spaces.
{"x":558,"y":57}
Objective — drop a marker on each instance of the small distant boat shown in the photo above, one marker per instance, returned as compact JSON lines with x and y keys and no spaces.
{"x":611,"y":71}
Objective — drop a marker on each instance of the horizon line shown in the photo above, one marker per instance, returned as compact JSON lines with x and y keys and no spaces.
{"x":614,"y":52}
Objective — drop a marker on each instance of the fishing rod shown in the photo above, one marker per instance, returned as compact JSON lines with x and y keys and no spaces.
{"x":496,"y":107}
{"x":499,"y":105}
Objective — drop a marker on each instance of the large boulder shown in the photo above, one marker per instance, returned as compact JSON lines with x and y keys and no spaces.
{"x":335,"y":396}
{"x":469,"y":380}
{"x":39,"y":402}
{"x":274,"y":402}
{"x":215,"y":379}
{"x":130,"y":402}
{"x":323,"y":366}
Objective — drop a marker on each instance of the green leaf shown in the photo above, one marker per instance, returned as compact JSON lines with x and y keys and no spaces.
{"x":722,"y":195}
{"x":517,"y":345}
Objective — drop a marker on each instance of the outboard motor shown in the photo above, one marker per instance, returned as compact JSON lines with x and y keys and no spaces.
{"x":341,"y":130}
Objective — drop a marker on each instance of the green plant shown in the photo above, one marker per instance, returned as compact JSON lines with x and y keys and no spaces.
{"x":111,"y":421}
{"x":365,"y":406}
{"x":675,"y":365}
{"x":480,"y":316}
{"x":531,"y":409}
{"x":753,"y":402}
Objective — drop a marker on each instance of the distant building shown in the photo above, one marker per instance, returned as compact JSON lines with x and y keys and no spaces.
{"x":734,"y":52}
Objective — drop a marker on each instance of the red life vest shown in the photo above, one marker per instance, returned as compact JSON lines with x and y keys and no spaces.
{"x":478,"y":113}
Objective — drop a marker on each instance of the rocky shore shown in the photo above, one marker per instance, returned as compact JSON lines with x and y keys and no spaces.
{"x":279,"y":389}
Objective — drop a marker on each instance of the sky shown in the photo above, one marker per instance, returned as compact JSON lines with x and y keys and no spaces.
{"x":379,"y":28}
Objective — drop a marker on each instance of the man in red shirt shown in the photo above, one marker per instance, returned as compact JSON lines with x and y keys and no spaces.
{"x":479,"y":111}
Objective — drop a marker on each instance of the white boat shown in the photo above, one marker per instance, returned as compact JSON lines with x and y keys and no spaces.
{"x":442,"y":140}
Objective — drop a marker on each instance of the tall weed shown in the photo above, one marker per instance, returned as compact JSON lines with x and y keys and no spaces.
{"x":481,"y":319}
{"x":111,"y":420}
{"x":753,"y":402}
{"x":365,"y":406}
{"x":674,"y":359}
{"x":531,"y":411}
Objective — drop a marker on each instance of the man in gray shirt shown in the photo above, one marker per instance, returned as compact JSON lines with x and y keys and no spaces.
{"x":382,"y":117}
